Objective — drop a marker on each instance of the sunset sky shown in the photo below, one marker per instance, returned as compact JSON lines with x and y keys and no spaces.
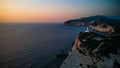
{"x":54,"y":10}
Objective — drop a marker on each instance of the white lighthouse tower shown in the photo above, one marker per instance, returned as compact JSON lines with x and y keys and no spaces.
{"x":87,"y":30}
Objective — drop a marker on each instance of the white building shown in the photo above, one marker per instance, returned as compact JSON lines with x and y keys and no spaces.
{"x":87,"y":30}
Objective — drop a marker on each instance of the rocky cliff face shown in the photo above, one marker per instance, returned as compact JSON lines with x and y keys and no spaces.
{"x":76,"y":44}
{"x":106,"y":25}
{"x":92,"y":50}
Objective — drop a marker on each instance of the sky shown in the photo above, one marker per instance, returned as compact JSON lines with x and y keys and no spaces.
{"x":54,"y":10}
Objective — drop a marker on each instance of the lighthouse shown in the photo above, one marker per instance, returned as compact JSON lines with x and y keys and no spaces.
{"x":87,"y":30}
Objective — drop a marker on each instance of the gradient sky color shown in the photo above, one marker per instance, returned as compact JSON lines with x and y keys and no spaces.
{"x":54,"y":10}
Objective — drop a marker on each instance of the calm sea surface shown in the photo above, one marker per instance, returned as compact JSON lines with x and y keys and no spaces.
{"x":35,"y":45}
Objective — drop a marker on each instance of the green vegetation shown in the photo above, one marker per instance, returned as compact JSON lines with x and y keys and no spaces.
{"x":97,"y":45}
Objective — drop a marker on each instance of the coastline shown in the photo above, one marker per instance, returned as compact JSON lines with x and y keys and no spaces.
{"x":81,"y":57}
{"x":73,"y":55}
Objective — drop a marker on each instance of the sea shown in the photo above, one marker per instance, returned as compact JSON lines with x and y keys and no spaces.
{"x":35,"y":45}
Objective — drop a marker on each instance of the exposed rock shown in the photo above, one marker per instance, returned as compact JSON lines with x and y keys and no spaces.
{"x":92,"y":50}
{"x":82,"y":21}
{"x":106,"y":24}
{"x":76,"y":44}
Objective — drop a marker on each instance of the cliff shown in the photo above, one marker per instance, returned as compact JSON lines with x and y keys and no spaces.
{"x":83,"y":21}
{"x":108,"y":24}
{"x":93,"y":50}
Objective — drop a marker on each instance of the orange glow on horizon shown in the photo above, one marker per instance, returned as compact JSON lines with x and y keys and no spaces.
{"x":11,"y":13}
{"x":24,"y":13}
{"x":54,"y":10}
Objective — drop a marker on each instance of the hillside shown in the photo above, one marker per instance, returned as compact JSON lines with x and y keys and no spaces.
{"x":93,"y":50}
{"x":109,"y":24}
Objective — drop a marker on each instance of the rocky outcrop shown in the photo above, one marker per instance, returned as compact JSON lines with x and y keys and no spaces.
{"x":92,"y":50}
{"x":105,"y":25}
{"x":76,"y":44}
{"x":108,"y":29}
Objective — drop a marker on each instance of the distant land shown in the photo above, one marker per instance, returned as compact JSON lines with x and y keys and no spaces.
{"x":97,"y":46}
{"x":109,"y":24}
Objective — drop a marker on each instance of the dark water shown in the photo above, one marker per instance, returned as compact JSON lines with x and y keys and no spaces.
{"x":34,"y":45}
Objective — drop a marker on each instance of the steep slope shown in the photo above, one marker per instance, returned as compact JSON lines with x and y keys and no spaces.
{"x":92,"y":50}
{"x":83,"y":21}
{"x":108,"y":24}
